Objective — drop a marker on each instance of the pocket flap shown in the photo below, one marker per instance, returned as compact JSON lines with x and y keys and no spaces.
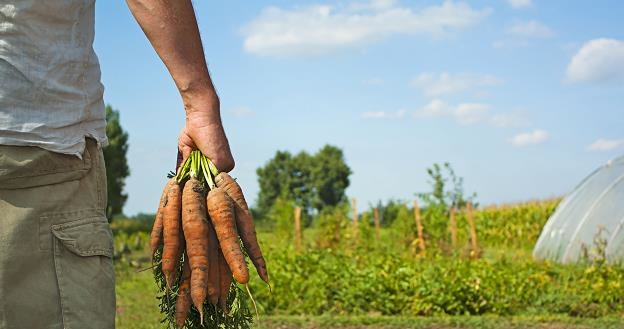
{"x":86,"y":237}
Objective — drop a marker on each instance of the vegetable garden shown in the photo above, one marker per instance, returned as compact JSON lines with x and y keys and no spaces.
{"x":342,"y":268}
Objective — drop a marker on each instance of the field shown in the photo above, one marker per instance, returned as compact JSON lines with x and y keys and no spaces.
{"x":337,"y":273}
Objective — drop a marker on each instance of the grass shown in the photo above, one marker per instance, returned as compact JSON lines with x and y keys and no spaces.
{"x":465,"y":322}
{"x":137,"y":308}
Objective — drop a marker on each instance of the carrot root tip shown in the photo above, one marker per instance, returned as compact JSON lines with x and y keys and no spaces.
{"x":253,"y":302}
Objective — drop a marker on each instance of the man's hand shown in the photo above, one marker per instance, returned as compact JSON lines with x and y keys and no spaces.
{"x":200,"y":132}
{"x":172,"y":29}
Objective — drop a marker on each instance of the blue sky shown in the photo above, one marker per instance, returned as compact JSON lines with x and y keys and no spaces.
{"x":522,"y":97}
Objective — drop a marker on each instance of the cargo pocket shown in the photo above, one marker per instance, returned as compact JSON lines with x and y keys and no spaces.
{"x":83,"y":251}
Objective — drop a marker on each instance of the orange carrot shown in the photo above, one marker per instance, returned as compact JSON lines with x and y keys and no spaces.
{"x":196,"y":230}
{"x":221,"y":210}
{"x":226,"y":280}
{"x":244,"y":223}
{"x":156,"y":235}
{"x":172,"y":237}
{"x":213,"y":266}
{"x":183,"y":303}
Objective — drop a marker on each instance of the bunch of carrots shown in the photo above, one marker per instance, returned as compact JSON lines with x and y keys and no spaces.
{"x":195,"y":238}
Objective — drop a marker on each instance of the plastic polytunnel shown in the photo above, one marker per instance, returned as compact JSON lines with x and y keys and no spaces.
{"x":589,"y":221}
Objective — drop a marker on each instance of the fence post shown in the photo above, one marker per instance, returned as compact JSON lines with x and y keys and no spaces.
{"x":298,"y":228}
{"x":473,"y":231}
{"x":377,"y":224}
{"x":419,"y":228}
{"x":453,"y":228}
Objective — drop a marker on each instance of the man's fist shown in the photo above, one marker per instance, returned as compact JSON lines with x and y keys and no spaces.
{"x":205,"y":132}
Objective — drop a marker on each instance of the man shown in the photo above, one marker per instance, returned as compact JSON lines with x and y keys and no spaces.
{"x":55,"y":243}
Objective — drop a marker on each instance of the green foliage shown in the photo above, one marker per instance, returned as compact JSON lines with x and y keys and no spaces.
{"x":281,"y":215}
{"x":513,"y":226}
{"x":447,"y":188}
{"x":340,"y":277}
{"x":330,"y":177}
{"x":403,"y":229}
{"x":447,"y":192}
{"x":313,"y":182}
{"x":332,"y":282}
{"x":238,"y":317}
{"x":332,"y":227}
{"x":366,"y":234}
{"x":141,"y":222}
{"x":116,"y":163}
{"x":387,"y":211}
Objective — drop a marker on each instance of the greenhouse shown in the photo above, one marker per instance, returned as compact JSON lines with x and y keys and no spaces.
{"x":588,"y":224}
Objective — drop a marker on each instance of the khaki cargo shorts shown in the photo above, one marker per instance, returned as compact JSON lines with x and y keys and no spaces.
{"x":56,"y":268}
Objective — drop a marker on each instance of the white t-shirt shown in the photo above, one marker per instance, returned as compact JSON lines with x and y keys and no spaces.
{"x":50,"y":90}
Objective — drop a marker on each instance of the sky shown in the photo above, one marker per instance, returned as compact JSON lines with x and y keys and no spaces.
{"x":523,"y":97}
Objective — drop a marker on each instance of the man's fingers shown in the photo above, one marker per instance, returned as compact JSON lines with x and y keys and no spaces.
{"x":185,"y":144}
{"x":186,"y":152}
{"x":222,"y":158}
{"x":211,"y":141}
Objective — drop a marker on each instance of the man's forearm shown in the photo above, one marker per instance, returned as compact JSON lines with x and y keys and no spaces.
{"x":172,"y":29}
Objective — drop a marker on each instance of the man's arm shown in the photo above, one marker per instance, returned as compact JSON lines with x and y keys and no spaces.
{"x":172,"y":29}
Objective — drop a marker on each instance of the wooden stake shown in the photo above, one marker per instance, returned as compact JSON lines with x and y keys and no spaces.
{"x":419,"y":228}
{"x":453,"y":228}
{"x":377,"y":224}
{"x":297,"y":228}
{"x":473,"y":231}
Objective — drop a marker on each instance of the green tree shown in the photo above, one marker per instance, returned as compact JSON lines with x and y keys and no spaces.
{"x":116,"y":163}
{"x":329,"y":177}
{"x":388,"y":211}
{"x":312,"y":182}
{"x":447,"y":192}
{"x":447,"y":188}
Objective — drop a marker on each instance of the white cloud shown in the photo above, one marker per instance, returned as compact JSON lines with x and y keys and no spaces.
{"x":242,"y":112}
{"x":464,"y":113}
{"x":530,"y":138}
{"x":373,"y":5}
{"x":434,"y":85}
{"x":506,"y":120}
{"x":520,"y":3}
{"x":434,"y":108}
{"x":323,"y":29}
{"x":606,"y":144}
{"x":470,"y":113}
{"x":384,"y":115}
{"x":373,"y":82}
{"x":599,"y":60}
{"x":530,"y":29}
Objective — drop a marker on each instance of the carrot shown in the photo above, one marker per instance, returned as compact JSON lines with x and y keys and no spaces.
{"x":156,"y":236}
{"x":172,"y":237}
{"x":213,"y":266}
{"x":244,"y":223}
{"x":183,"y":303}
{"x":226,"y":280}
{"x":221,"y":210}
{"x":196,"y":230}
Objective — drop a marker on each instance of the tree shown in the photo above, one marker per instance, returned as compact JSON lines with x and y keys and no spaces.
{"x":116,"y":163}
{"x":312,"y":182}
{"x":448,"y":188}
{"x":447,"y":192}
{"x":330,"y":177}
